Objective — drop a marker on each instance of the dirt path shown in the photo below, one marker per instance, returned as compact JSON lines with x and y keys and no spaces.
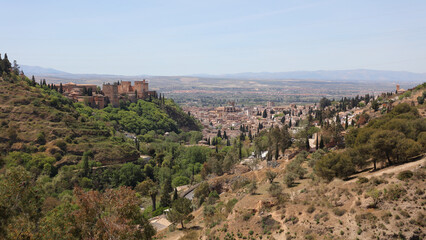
{"x":392,"y":169}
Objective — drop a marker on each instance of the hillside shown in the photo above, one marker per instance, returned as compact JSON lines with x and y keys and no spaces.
{"x":333,"y":193}
{"x":56,"y":154}
{"x":37,"y":119}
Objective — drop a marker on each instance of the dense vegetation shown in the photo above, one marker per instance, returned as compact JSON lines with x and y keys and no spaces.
{"x":393,"y":138}
{"x":67,"y":159}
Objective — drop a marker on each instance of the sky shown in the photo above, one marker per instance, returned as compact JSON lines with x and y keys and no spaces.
{"x":214,"y":37}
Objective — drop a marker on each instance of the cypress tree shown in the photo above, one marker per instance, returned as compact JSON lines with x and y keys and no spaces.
{"x":346,"y":122}
{"x":165,"y":199}
{"x":61,"y":89}
{"x":219,"y":134}
{"x":175,"y":195}
{"x":86,"y":168}
{"x":321,"y":146}
{"x":224,"y":135}
{"x":308,"y":147}
{"x":33,"y":82}
{"x":265,"y":114}
{"x":6,"y":65}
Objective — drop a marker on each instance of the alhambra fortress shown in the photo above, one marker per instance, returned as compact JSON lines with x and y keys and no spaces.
{"x":93,"y":96}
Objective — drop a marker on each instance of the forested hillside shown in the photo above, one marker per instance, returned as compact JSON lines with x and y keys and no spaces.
{"x":64,"y":164}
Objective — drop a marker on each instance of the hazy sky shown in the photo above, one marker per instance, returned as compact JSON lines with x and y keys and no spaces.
{"x":185,"y":37}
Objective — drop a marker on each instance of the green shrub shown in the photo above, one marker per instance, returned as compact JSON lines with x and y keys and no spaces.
{"x":339,"y":212}
{"x":394,"y":192}
{"x":362,"y":180}
{"x":404,"y":175}
{"x":180,"y":180}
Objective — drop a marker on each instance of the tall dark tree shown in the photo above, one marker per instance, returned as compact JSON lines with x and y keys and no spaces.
{"x":321,"y":146}
{"x":346,"y":122}
{"x":61,"y":89}
{"x":86,"y":167}
{"x":33,"y":82}
{"x":6,"y":65}
{"x":175,"y":194}
{"x":308,"y":147}
{"x":224,"y":135}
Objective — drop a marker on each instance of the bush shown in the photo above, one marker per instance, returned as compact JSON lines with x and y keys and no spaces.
{"x":339,"y":212}
{"x":394,"y":192}
{"x":289,"y":179}
{"x":310,"y":209}
{"x":404,"y":175}
{"x":362,"y":180}
{"x":180,"y":180}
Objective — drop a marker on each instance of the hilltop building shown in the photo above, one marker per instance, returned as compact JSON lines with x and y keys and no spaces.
{"x":125,"y":91}
{"x":93,"y":96}
{"x":399,"y":90}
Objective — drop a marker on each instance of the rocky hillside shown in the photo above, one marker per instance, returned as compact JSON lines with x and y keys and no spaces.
{"x":299,"y":199}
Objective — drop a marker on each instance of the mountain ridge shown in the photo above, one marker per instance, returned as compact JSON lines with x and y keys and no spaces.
{"x":331,"y":75}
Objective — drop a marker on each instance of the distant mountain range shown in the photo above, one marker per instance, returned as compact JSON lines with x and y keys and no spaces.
{"x":338,"y":75}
